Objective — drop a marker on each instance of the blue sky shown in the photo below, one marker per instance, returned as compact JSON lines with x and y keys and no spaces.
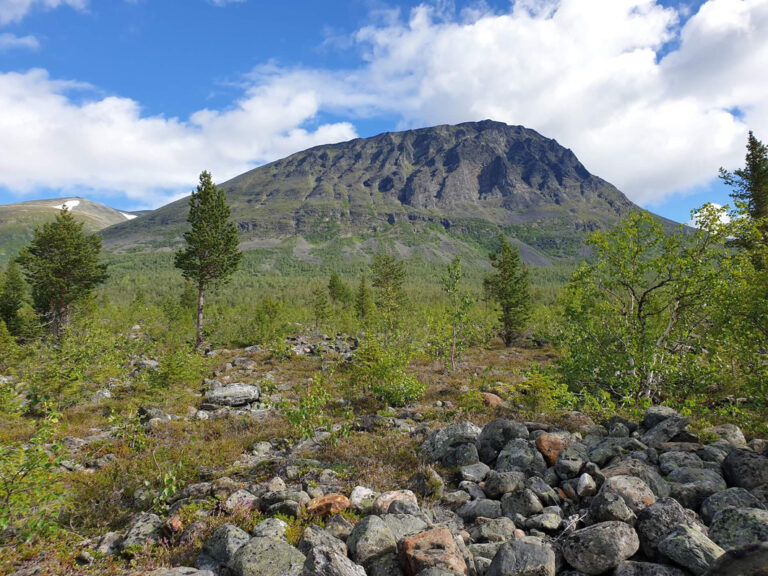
{"x":125,"y":102}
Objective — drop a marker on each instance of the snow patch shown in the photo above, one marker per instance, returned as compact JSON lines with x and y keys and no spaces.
{"x":69,"y":204}
{"x":128,"y":216}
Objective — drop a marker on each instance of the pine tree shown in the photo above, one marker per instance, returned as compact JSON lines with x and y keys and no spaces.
{"x":510,"y":288}
{"x":339,"y":292}
{"x":364,"y":306}
{"x":211,"y":255}
{"x":320,"y":305}
{"x":12,"y":297}
{"x":388,"y":279}
{"x":62,"y":266}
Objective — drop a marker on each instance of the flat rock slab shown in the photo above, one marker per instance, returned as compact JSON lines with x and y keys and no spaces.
{"x":233,"y":395}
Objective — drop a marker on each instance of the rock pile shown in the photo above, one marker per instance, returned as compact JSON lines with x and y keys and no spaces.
{"x":621,"y":499}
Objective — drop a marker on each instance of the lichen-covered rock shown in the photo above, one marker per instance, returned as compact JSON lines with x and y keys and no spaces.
{"x":731,"y":498}
{"x":598,"y":548}
{"x":499,"y":483}
{"x":370,"y":539}
{"x":745,"y":469}
{"x":270,"y":528}
{"x":315,"y":537}
{"x":750,"y":560}
{"x":497,"y":530}
{"x":630,"y":568}
{"x":524,"y":557}
{"x":440,"y":442}
{"x":237,"y":394}
{"x":657,"y":414}
{"x":475,"y":509}
{"x":495,"y":435}
{"x":433,"y":549}
{"x":608,"y":506}
{"x":325,"y":562}
{"x":224,"y":542}
{"x":144,"y":529}
{"x":657,"y":521}
{"x":690,"y":549}
{"x":691,"y":486}
{"x":642,"y":470}
{"x":267,"y":557}
{"x":664,"y":431}
{"x":737,"y":527}
{"x":634,"y":491}
{"x":571,"y":461}
{"x":520,"y":455}
{"x":523,"y":502}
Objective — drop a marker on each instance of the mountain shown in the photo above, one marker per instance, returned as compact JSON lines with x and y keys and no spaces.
{"x":432,"y":191}
{"x":18,"y":221}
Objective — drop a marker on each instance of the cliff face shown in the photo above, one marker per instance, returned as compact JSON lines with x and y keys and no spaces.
{"x":467,"y":181}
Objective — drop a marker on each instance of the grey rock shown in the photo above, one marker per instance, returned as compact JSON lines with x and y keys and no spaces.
{"x":370,"y":539}
{"x":270,"y":528}
{"x":750,"y":560}
{"x":520,"y":455}
{"x":485,"y":549}
{"x":664,"y":431}
{"x":144,"y":529}
{"x":240,"y":500}
{"x":737,"y":527}
{"x":523,"y":502}
{"x":461,"y":455}
{"x":456,"y":499}
{"x":495,"y":435}
{"x":324,"y":562}
{"x":475,"y":472}
{"x":480,"y":508}
{"x":642,"y":470}
{"x":571,"y":460}
{"x":224,"y":542}
{"x":386,"y":565}
{"x":109,"y":544}
{"x":524,"y":557}
{"x":543,"y":490}
{"x":404,"y":525}
{"x":657,"y":414}
{"x":630,"y":568}
{"x":586,"y":486}
{"x":745,"y":469}
{"x":267,"y":557}
{"x":670,"y":461}
{"x":427,"y":483}
{"x":598,"y":548}
{"x":473,"y":489}
{"x":499,"y":483}
{"x":690,"y":549}
{"x":608,"y":506}
{"x":731,"y":498}
{"x":634,"y":491}
{"x":544,"y":522}
{"x":339,"y":527}
{"x":237,"y":394}
{"x":315,"y":537}
{"x":179,"y":571}
{"x":656,"y":522}
{"x":497,"y":530}
{"x":731,"y":433}
{"x":441,"y":441}
{"x":691,"y":486}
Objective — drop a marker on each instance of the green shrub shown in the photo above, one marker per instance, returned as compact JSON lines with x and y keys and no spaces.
{"x":308,"y":412}
{"x":381,"y":369}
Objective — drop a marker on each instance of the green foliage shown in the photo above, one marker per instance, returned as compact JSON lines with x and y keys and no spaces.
{"x":12,"y":297}
{"x":338,"y":290}
{"x":128,"y":428}
{"x":9,"y":350}
{"x":62,"y":266}
{"x":459,"y":304}
{"x":636,"y":318}
{"x":211,"y":254}
{"x":380,"y":367}
{"x":321,"y":306}
{"x":542,"y":392}
{"x":750,"y":184}
{"x":179,"y":366}
{"x":509,"y":287}
{"x":308,"y":412}
{"x":30,"y":483}
{"x":388,"y":276}
{"x":364,"y":306}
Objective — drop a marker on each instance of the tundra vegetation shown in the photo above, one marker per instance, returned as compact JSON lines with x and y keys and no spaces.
{"x":653,"y":316}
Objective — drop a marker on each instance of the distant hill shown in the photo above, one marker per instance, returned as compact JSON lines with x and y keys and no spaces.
{"x":18,"y":221}
{"x":431,"y":192}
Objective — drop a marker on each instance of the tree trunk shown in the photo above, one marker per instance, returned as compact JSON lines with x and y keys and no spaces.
{"x":199,"y":324}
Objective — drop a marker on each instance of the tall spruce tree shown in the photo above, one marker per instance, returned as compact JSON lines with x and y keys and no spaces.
{"x":364,"y":306}
{"x":338,"y":290}
{"x":509,"y":287}
{"x":388,"y":279}
{"x":12,"y":297}
{"x":62,"y":266}
{"x":211,"y":255}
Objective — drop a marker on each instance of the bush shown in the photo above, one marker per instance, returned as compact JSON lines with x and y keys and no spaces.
{"x":308,"y":412}
{"x":381,"y":369}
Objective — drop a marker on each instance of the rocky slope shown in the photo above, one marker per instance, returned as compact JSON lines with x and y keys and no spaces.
{"x":434,"y":190}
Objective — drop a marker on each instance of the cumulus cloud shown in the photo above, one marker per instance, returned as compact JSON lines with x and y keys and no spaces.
{"x":11,"y":42}
{"x":52,"y":139}
{"x":649,"y":97}
{"x":16,"y":10}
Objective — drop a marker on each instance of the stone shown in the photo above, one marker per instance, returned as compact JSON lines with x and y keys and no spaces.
{"x":475,"y":472}
{"x":382,"y":503}
{"x":240,"y":501}
{"x":657,"y":414}
{"x":664,"y":431}
{"x":440,"y":442}
{"x":267,"y":557}
{"x":586,"y":486}
{"x":730,"y":433}
{"x":324,"y":562}
{"x":544,"y":522}
{"x":455,"y":499}
{"x":571,"y":461}
{"x":496,"y":530}
{"x":362,"y":498}
{"x":370,"y":539}
{"x":461,"y":455}
{"x":386,"y":565}
{"x":491,"y":400}
{"x":690,"y":549}
{"x":520,"y":455}
{"x":315,"y":537}
{"x":600,"y":547}
{"x":691,"y":486}
{"x":475,"y":509}
{"x":327,"y":505}
{"x":543,"y":491}
{"x":270,"y":528}
{"x":495,"y":435}
{"x":639,"y":469}
{"x":435,"y":548}
{"x":745,"y":469}
{"x":109,"y":544}
{"x":670,"y":461}
{"x":524,"y":557}
{"x":144,"y":529}
{"x":657,"y":521}
{"x":499,"y":483}
{"x":523,"y":502}
{"x":473,"y":489}
{"x":750,"y":560}
{"x":428,"y":484}
{"x":551,"y":444}
{"x":232,"y":395}
{"x":339,"y":527}
{"x":736,"y":527}
{"x":730,"y":498}
{"x":635,"y":493}
{"x":224,"y":542}
{"x":404,"y":525}
{"x":179,"y":571}
{"x":630,"y":568}
{"x":609,"y":506}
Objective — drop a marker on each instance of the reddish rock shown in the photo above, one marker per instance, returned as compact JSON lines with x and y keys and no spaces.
{"x":174,"y":524}
{"x":435,"y":548}
{"x":327,"y":505}
{"x":550,"y":446}
{"x":491,"y":399}
{"x":577,"y":421}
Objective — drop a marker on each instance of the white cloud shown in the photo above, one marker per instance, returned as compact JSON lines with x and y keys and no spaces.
{"x":11,"y":42}
{"x":108,"y":145}
{"x":647,"y":99}
{"x":16,"y":10}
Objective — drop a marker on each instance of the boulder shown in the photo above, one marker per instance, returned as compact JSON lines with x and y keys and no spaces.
{"x":499,"y":483}
{"x":495,"y":435}
{"x":731,"y":498}
{"x":315,"y":537}
{"x":737,"y":527}
{"x":630,"y":568}
{"x":339,"y":527}
{"x":664,"y":431}
{"x":730,"y":433}
{"x":750,"y":560}
{"x":690,"y":549}
{"x":598,"y":548}
{"x":496,"y":530}
{"x":237,"y":394}
{"x":144,"y":529}
{"x":475,"y":509}
{"x":523,"y":502}
{"x":267,"y":557}
{"x":240,"y":500}
{"x":635,"y":493}
{"x":370,"y":539}
{"x":224,"y":542}
{"x":551,"y":445}
{"x":520,"y":455}
{"x":670,"y":461}
{"x":440,"y":442}
{"x":608,"y":506}
{"x":382,"y":503}
{"x":362,"y":498}
{"x":433,"y":549}
{"x":324,"y":562}
{"x":404,"y":525}
{"x":524,"y":557}
{"x":475,"y":472}
{"x":639,"y":469}
{"x":657,"y":414}
{"x":270,"y":528}
{"x":657,"y":521}
{"x":461,"y":455}
{"x":328,"y":505}
{"x":571,"y":461}
{"x":745,"y":469}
